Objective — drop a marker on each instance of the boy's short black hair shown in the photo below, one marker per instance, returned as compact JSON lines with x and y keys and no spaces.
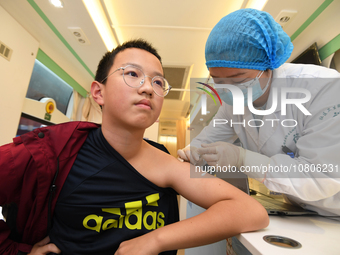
{"x":106,"y":62}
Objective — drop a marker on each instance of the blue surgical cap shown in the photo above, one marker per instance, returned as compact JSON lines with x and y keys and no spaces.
{"x":247,"y":39}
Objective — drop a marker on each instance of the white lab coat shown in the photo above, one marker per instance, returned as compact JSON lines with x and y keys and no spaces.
{"x":315,"y":140}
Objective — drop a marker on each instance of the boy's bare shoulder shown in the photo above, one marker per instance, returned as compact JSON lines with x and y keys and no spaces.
{"x":162,"y":156}
{"x":164,"y":165}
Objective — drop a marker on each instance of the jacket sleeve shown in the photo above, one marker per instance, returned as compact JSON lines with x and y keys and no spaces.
{"x":14,"y":157}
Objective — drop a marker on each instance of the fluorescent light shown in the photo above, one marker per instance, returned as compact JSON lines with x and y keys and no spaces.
{"x":168,"y":139}
{"x":256,"y":4}
{"x":57,"y":3}
{"x":110,"y":7}
{"x":98,"y":17}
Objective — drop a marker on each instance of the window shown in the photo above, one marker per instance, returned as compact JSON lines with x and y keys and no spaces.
{"x":44,"y":83}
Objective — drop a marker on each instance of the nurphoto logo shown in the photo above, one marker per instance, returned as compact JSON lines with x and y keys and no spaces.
{"x":238,"y":103}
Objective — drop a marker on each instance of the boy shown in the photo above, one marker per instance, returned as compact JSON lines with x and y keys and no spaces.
{"x":113,"y":192}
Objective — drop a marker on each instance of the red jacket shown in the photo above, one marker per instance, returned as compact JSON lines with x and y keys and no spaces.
{"x":27,"y":169}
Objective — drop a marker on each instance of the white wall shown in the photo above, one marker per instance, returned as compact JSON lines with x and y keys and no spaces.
{"x":14,"y":74}
{"x":322,"y":30}
{"x":151,"y":132}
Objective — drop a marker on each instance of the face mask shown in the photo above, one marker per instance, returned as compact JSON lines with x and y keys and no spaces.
{"x":257,"y":92}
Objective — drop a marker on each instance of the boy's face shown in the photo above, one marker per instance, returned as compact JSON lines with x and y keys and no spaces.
{"x":127,"y":106}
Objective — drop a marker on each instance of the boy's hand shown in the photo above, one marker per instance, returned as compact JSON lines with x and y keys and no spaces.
{"x":44,"y":247}
{"x":139,"y":246}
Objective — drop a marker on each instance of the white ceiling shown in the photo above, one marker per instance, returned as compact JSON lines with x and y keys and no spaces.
{"x":177,"y":28}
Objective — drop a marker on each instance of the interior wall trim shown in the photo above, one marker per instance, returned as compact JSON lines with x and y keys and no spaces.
{"x":55,"y":68}
{"x":57,"y":33}
{"x":329,"y":48}
{"x":315,"y":14}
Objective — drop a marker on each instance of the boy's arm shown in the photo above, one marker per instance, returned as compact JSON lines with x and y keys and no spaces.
{"x":11,"y":178}
{"x":229,"y":212}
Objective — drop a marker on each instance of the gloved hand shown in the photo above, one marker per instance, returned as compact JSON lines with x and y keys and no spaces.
{"x":189,"y":154}
{"x":222,"y":154}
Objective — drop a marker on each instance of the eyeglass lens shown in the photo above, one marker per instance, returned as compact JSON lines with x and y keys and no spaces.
{"x":134,"y":77}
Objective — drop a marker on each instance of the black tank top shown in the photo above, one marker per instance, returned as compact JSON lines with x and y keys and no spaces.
{"x":105,"y":201}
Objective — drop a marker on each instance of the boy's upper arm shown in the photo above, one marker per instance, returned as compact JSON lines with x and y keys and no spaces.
{"x":201,"y":190}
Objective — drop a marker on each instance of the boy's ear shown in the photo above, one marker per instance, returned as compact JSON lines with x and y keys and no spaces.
{"x":97,"y":92}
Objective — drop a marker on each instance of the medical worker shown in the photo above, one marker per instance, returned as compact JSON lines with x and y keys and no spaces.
{"x":292,"y":148}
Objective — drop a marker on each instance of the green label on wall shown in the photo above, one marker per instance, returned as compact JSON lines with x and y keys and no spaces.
{"x":47,"y":116}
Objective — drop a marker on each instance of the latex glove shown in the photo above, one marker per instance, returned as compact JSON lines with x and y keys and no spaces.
{"x":189,"y":154}
{"x":222,"y":154}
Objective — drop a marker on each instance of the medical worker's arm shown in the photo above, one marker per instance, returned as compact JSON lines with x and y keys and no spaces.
{"x":313,"y":174}
{"x":218,"y":130}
